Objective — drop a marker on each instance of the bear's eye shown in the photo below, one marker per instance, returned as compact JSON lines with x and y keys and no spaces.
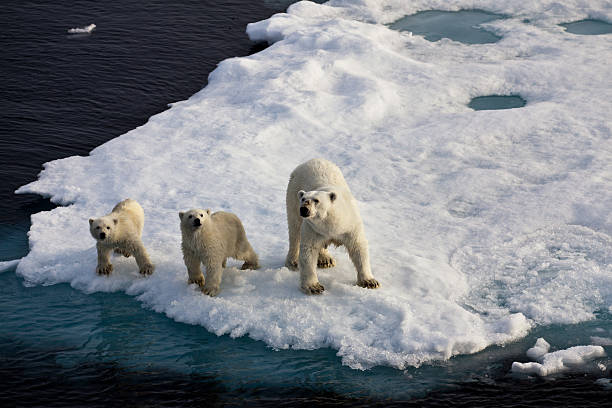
{"x":191,"y":216}
{"x":316,"y":201}
{"x":98,"y":227}
{"x":201,"y":215}
{"x":107,"y":227}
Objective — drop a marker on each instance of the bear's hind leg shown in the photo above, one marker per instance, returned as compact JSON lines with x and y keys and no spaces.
{"x":251,"y":261}
{"x":122,"y":251}
{"x":325,"y":259}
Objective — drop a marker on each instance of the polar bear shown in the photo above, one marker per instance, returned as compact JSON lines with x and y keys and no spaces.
{"x":320,"y":211}
{"x":210,"y":239}
{"x":121,"y":231}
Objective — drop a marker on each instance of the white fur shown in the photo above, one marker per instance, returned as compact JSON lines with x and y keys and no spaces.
{"x":122,"y":230}
{"x":333,"y":218}
{"x":217,"y":237}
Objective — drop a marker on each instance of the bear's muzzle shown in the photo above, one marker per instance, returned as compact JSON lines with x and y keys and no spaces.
{"x":102,"y":235}
{"x":197,"y":223}
{"x":304,"y":212}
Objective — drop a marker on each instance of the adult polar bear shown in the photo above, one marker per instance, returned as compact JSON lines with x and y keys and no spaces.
{"x":320,"y":211}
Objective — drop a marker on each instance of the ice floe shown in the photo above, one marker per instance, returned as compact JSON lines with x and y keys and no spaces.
{"x":481,"y":224}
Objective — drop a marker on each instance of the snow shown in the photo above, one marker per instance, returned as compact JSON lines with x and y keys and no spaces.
{"x":82,"y":30}
{"x":481,"y":224}
{"x":573,"y":358}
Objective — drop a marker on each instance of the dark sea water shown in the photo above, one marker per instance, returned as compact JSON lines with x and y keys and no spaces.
{"x":63,"y":95}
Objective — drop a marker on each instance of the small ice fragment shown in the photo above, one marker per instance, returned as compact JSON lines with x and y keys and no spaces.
{"x":559,"y":361}
{"x":6,"y":265}
{"x":541,"y":347}
{"x":82,"y":30}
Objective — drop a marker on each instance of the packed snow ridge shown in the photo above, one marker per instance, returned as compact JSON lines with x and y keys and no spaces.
{"x":481,"y":224}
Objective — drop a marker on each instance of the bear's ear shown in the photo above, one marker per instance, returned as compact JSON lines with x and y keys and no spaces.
{"x":332,"y":196}
{"x":181,"y":215}
{"x":115,"y":220}
{"x":208,"y":211}
{"x":301,"y":194}
{"x":91,"y":220}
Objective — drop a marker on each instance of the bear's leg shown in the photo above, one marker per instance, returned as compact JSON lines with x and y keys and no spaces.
{"x":358,"y":252}
{"x":325,"y":259}
{"x":294,"y":221}
{"x":104,"y":266}
{"x":192,"y":262}
{"x":310,"y":247}
{"x":122,"y":251}
{"x":214,"y":273}
{"x":145,"y":265}
{"x":248,"y":255}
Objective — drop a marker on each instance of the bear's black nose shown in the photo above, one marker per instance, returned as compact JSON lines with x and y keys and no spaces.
{"x":102,"y":235}
{"x":304,"y":212}
{"x":196,"y":222}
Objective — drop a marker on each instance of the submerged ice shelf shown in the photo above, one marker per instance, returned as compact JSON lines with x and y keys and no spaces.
{"x":494,"y":102}
{"x":481,"y":225}
{"x":588,"y":27}
{"x":463,"y":26}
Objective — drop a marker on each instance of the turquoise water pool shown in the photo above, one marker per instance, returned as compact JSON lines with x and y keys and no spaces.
{"x":463,"y":26}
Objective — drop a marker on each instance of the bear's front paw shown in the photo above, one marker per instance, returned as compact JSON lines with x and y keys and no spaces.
{"x":325,"y":261}
{"x":199,"y":281}
{"x":248,"y":265}
{"x":147,"y":269}
{"x":104,"y":269}
{"x":123,"y":252}
{"x":314,"y":289}
{"x":369,"y":283}
{"x":292,"y":265}
{"x":211,"y":290}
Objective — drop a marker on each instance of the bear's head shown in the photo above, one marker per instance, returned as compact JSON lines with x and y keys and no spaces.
{"x":103,"y":228}
{"x":316,"y":204}
{"x":193,"y":219}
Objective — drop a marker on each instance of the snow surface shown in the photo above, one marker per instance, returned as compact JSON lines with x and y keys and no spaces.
{"x":481,"y":224}
{"x":82,"y":30}
{"x":573,"y":358}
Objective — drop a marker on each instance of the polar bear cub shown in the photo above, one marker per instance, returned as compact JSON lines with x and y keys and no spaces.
{"x":210,"y":239}
{"x":120,"y":231}
{"x":320,"y":211}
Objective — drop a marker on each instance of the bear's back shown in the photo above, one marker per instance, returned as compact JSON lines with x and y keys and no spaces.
{"x":130,"y":214}
{"x":317,"y":173}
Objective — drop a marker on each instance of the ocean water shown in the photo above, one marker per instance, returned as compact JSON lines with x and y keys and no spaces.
{"x":62,"y":346}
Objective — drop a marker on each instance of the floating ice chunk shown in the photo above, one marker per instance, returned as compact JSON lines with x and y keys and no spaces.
{"x":556,"y":362}
{"x":82,"y":30}
{"x":605,"y":383}
{"x":539,"y":350}
{"x":6,"y":265}
{"x":601,"y":341}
